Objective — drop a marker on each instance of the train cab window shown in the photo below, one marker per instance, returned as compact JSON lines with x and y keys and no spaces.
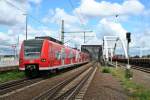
{"x":32,"y":48}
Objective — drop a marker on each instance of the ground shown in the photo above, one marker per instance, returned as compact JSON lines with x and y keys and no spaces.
{"x":141,"y":78}
{"x":105,"y":87}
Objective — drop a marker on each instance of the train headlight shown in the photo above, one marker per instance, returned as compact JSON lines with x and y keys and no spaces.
{"x":43,"y":60}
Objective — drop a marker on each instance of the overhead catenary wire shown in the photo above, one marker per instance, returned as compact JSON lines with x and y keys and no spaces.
{"x":72,"y":6}
{"x":79,"y":17}
{"x":77,"y":14}
{"x":25,"y":12}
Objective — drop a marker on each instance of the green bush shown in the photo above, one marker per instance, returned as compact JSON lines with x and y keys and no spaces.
{"x":106,"y":70}
{"x":128,"y":74}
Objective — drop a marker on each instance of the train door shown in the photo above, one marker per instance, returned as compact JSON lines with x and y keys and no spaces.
{"x":51,"y":55}
{"x":71,"y":56}
{"x":58,"y":57}
{"x":77,"y":56}
{"x":63,"y":56}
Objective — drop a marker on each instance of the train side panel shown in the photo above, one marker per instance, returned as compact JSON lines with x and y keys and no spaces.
{"x":44,"y":60}
{"x":40,"y":55}
{"x":21,"y":58}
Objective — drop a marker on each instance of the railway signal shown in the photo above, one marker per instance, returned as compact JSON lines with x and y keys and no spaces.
{"x":128,"y":71}
{"x":128,"y":37}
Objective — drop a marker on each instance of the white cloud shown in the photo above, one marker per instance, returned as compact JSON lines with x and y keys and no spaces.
{"x":60,"y":14}
{"x":37,"y":2}
{"x":10,"y":37}
{"x":12,"y":18}
{"x":48,"y":17}
{"x":71,"y":23}
{"x":40,"y":31}
{"x":94,"y":41}
{"x":77,"y":39}
{"x":57,"y":15}
{"x":12,"y":11}
{"x":141,"y":40}
{"x":139,"y":43}
{"x":92,"y":8}
{"x":106,"y":28}
{"x":9,"y":14}
{"x":3,"y":36}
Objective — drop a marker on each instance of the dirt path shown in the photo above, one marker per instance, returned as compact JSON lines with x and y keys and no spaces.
{"x":105,"y":87}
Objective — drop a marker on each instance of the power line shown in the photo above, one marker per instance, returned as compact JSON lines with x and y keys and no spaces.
{"x":11,"y":4}
{"x":76,"y":12}
{"x":24,"y":11}
{"x":78,"y":15}
{"x":38,"y":20}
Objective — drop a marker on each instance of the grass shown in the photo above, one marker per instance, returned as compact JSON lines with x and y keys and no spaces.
{"x":106,"y":70}
{"x":11,"y":75}
{"x":136,"y":91}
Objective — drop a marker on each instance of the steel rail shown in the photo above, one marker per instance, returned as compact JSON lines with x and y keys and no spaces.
{"x":51,"y":93}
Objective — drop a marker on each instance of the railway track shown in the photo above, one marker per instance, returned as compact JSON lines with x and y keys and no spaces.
{"x":11,"y":83}
{"x":68,"y":88}
{"x":14,"y":85}
{"x":147,"y":70}
{"x":21,"y":83}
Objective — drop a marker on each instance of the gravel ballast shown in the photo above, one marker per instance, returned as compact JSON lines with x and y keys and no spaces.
{"x":31,"y":92}
{"x":141,"y":78}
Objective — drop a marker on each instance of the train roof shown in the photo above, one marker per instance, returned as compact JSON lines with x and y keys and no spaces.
{"x":49,"y":38}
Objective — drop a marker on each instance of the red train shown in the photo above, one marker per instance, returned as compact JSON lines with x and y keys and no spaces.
{"x":46,"y":53}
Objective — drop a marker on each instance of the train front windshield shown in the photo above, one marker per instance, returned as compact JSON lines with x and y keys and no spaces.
{"x":32,"y":48}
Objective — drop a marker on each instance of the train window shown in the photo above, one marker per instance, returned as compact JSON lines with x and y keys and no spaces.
{"x":58,"y":55}
{"x":32,"y":49}
{"x":63,"y":54}
{"x":77,"y":55}
{"x":71,"y":54}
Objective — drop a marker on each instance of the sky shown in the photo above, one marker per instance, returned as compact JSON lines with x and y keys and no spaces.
{"x":99,"y":16}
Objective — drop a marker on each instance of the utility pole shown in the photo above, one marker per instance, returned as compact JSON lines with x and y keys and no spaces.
{"x":62,"y":32}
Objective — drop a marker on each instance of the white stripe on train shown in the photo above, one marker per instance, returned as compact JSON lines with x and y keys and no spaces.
{"x":58,"y":67}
